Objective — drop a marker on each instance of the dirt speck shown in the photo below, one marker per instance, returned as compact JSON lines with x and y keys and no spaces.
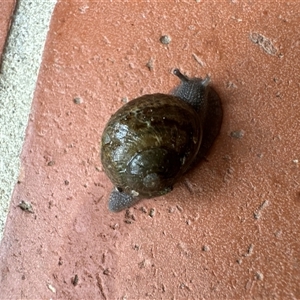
{"x":205,"y":248}
{"x":124,"y":100}
{"x":237,"y":134}
{"x":51,"y":163}
{"x":60,"y":261}
{"x":107,"y":272}
{"x":144,"y":264}
{"x":152,"y":212}
{"x":231,"y":85}
{"x":129,"y":216}
{"x":259,"y":276}
{"x":150,"y":64}
{"x":26,"y":206}
{"x":249,"y":251}
{"x":75,"y":280}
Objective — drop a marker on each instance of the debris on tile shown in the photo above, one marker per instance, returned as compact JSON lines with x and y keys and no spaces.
{"x":26,"y":206}
{"x":144,"y":264}
{"x":184,"y":249}
{"x":60,"y":261}
{"x":78,"y":100}
{"x":101,"y":287}
{"x":189,"y":186}
{"x":152,"y":212}
{"x":205,"y":248}
{"x":184,"y":286}
{"x":143,"y":209}
{"x":127,"y":221}
{"x":249,"y":285}
{"x":165,"y":39}
{"x":249,"y":251}
{"x":75,"y":280}
{"x":179,"y":208}
{"x":98,"y":169}
{"x":150,"y":64}
{"x":171,"y":209}
{"x":259,"y":276}
{"x":198,"y":60}
{"x":114,"y":226}
{"x":129,"y":215}
{"x":265,"y":43}
{"x":228,"y":175}
{"x":236,"y":19}
{"x":136,"y":247}
{"x":237,"y":134}
{"x":51,"y":288}
{"x":124,"y":100}
{"x":257,"y":214}
{"x":107,"y":272}
{"x":51,"y":163}
{"x":231,"y":85}
{"x":83,"y":9}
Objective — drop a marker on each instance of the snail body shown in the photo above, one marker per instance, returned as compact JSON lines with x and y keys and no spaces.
{"x":150,"y":142}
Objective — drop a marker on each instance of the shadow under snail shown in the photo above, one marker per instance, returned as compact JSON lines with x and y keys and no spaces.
{"x":150,"y":142}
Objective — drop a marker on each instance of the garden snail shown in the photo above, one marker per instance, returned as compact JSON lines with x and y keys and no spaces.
{"x":150,"y":142}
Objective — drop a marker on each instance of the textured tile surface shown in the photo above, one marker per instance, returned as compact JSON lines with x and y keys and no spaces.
{"x":230,"y":228}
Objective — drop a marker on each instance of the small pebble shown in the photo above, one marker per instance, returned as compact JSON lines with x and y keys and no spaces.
{"x":60,"y":261}
{"x":259,"y":276}
{"x":26,"y":206}
{"x":205,"y":248}
{"x":143,"y":209}
{"x":165,"y":39}
{"x":51,"y":163}
{"x":51,"y":288}
{"x":152,"y":212}
{"x":78,"y":100}
{"x":107,"y":272}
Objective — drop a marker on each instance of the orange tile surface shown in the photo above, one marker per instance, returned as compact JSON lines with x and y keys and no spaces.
{"x":230,"y":228}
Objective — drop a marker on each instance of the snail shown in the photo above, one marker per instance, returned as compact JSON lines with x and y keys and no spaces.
{"x":151,"y":141}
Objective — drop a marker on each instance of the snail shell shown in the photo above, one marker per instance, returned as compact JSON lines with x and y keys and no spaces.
{"x":150,"y":142}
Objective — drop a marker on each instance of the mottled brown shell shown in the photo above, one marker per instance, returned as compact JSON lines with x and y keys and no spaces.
{"x":149,"y":143}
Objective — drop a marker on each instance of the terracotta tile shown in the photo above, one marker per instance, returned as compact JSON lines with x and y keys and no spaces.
{"x":230,"y":228}
{"x":7,"y":8}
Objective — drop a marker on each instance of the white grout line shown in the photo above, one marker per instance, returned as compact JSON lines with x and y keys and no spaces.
{"x":19,"y":71}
